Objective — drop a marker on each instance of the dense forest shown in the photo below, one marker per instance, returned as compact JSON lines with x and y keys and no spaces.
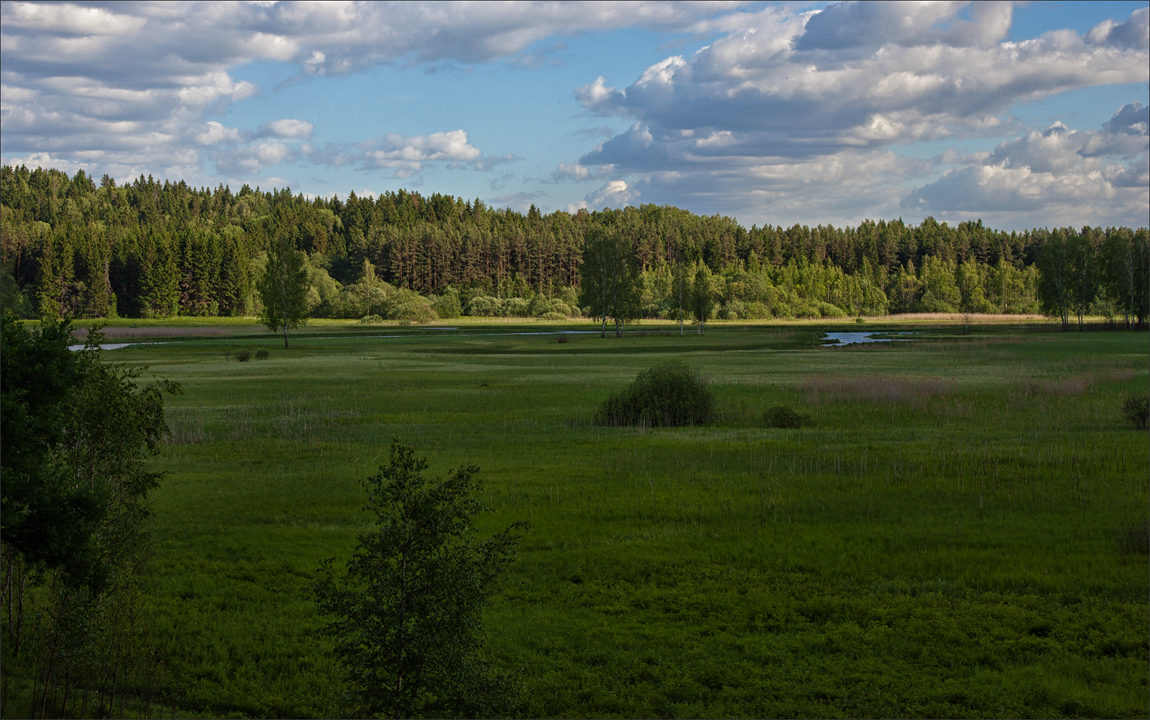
{"x":72,"y":247}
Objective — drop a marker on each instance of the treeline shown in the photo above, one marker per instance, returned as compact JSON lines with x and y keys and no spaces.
{"x":72,"y":246}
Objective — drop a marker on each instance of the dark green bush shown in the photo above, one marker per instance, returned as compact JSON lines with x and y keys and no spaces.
{"x":1133,"y":539}
{"x":243,"y":355}
{"x":446,"y":306}
{"x":667,"y":395}
{"x":784,"y":417}
{"x":262,"y":354}
{"x":1137,"y":409}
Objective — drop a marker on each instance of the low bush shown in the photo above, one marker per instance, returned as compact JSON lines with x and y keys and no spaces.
{"x":784,"y":417}
{"x":447,"y":306}
{"x":370,"y":320}
{"x":553,"y":317}
{"x":516,"y":307}
{"x":667,"y":395}
{"x":484,"y":306}
{"x":243,"y":355}
{"x":262,"y":354}
{"x":1133,"y":539}
{"x":415,"y":311}
{"x":1137,"y":409}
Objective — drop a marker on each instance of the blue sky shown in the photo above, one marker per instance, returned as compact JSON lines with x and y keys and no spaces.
{"x":1020,"y":114}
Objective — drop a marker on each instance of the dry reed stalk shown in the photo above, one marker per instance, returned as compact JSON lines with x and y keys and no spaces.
{"x":1062,"y":387}
{"x":141,"y":332}
{"x":894,"y":391}
{"x":1122,"y":376}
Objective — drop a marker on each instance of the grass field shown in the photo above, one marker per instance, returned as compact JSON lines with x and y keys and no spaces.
{"x":945,"y":538}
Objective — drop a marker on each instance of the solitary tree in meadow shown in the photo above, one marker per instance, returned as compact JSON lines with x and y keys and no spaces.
{"x":405,"y":617}
{"x":283,"y":289}
{"x":702,"y":296}
{"x":610,"y":279}
{"x":1055,"y":280}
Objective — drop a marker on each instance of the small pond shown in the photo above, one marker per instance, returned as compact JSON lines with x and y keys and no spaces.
{"x":105,"y":346}
{"x":838,"y":339}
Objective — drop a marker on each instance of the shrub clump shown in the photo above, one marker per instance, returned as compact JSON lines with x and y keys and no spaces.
{"x":262,"y":354}
{"x":784,"y":417}
{"x":1137,"y":410}
{"x":667,"y":395}
{"x":243,"y":355}
{"x":1133,"y":539}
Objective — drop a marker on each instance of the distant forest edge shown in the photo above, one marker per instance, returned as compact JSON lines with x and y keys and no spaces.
{"x":73,"y":247}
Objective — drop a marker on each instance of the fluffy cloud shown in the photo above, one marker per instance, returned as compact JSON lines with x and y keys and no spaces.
{"x":519,"y":202}
{"x":804,"y":93}
{"x":246,"y":161}
{"x":215,"y":133}
{"x":576,"y":172}
{"x":1134,"y":33}
{"x":615,"y":193}
{"x":287,"y":128}
{"x":408,"y":154}
{"x":128,"y":87}
{"x":402,"y":154}
{"x":855,"y":87}
{"x":1056,"y":176}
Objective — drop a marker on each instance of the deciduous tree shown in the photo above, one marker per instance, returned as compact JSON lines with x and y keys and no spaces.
{"x":405,"y":617}
{"x":283,"y":289}
{"x":609,"y":281}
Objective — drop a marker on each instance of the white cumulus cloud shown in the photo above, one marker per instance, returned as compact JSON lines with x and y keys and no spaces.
{"x":794,"y":94}
{"x":616,"y":193}
{"x":1061,"y":175}
{"x":130,"y":86}
{"x":287,"y":128}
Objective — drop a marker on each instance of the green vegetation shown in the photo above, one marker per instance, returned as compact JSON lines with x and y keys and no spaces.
{"x":959,"y":531}
{"x":406,"y":615}
{"x":77,"y":437}
{"x":1137,"y":409}
{"x":668,"y":395}
{"x":283,"y":288}
{"x":783,"y":417}
{"x":157,"y":250}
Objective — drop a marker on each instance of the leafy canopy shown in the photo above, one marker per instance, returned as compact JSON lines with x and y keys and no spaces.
{"x":667,"y":395}
{"x":406,"y":616}
{"x":76,"y":436}
{"x":283,"y":289}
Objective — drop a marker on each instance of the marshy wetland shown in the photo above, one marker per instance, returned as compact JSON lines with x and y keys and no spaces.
{"x":956,"y":530}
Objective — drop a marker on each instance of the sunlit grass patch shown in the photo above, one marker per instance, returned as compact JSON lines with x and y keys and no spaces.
{"x":946,"y":536}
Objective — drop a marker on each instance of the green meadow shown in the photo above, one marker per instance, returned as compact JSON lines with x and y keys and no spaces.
{"x":955,"y":532}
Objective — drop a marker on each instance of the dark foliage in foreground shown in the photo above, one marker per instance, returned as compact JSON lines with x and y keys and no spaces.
{"x":77,"y":437}
{"x":405,"y":617}
{"x":669,"y":395}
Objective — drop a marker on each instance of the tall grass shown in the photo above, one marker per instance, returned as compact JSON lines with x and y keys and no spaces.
{"x":940,"y":540}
